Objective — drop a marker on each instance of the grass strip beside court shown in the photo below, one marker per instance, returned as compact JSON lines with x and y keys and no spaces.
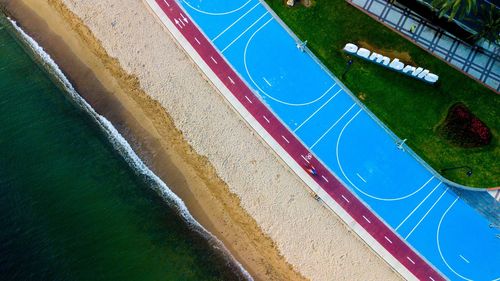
{"x":410,"y":108}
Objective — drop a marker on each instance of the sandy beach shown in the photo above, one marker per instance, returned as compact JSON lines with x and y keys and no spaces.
{"x":129,"y":68}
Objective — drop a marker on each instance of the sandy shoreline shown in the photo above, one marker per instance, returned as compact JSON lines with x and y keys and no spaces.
{"x":277,"y":217}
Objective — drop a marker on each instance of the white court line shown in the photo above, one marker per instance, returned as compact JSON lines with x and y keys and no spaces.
{"x":359,"y":176}
{"x":387,"y":238}
{"x":168,"y":5}
{"x":215,"y":14}
{"x":314,"y":113}
{"x":197,"y":41}
{"x":231,"y":80}
{"x":220,"y":34}
{"x":248,"y":99}
{"x":466,"y":260}
{"x":410,"y":260}
{"x":267,"y":82}
{"x":213,"y":60}
{"x":239,"y":36}
{"x":439,"y":244}
{"x":287,"y":141}
{"x":366,"y":219}
{"x":428,"y":211}
{"x":329,"y":129}
{"x":345,"y":199}
{"x":304,"y":158}
{"x":325,"y":178}
{"x":421,"y":202}
{"x":265,"y":118}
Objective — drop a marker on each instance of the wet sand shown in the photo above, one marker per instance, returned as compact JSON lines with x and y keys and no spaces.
{"x":130,"y":70}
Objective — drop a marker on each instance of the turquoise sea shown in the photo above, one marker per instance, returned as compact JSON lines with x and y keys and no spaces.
{"x":75,"y":201}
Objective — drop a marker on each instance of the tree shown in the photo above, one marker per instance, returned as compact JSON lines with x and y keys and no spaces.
{"x":458,"y":8}
{"x":488,"y":20}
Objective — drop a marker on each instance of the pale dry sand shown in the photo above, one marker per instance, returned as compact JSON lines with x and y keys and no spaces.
{"x":223,"y":159}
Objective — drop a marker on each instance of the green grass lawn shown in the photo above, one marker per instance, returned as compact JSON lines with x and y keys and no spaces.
{"x":410,"y":108}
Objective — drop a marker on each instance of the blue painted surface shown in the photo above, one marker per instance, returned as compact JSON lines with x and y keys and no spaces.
{"x":421,"y":209}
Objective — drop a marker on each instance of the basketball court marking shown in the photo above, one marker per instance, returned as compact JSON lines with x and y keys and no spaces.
{"x":239,"y":29}
{"x":215,"y":14}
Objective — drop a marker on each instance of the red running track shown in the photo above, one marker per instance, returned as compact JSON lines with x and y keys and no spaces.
{"x":348,"y":201}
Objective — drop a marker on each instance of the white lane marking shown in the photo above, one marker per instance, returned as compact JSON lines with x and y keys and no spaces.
{"x":285,"y":139}
{"x":267,"y":82}
{"x":245,"y":31}
{"x":168,"y":5}
{"x":410,"y":260}
{"x":466,"y":260}
{"x":248,"y":99}
{"x":179,"y":23}
{"x":336,"y":122}
{"x":317,"y":110}
{"x":428,"y":211}
{"x":345,"y":198}
{"x":366,"y":219}
{"x":325,"y":178}
{"x":304,"y":158}
{"x":183,"y":18}
{"x":359,"y":176}
{"x":197,"y":41}
{"x":265,"y":118}
{"x":182,"y":22}
{"x":413,"y":211}
{"x":213,"y":60}
{"x":224,"y":31}
{"x":387,"y":238}
{"x":231,"y":80}
{"x":432,"y":279}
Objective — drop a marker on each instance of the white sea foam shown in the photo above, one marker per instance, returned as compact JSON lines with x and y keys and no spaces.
{"x":126,"y":151}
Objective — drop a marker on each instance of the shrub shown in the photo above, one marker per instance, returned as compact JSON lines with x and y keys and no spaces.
{"x":464,"y":129}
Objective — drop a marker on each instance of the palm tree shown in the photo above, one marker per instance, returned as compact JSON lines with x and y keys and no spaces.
{"x":458,"y":8}
{"x":488,"y":20}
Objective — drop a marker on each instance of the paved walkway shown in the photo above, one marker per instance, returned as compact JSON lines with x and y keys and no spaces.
{"x":375,"y":232}
{"x":481,"y":63}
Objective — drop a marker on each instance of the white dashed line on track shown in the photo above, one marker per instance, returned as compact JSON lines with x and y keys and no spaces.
{"x":265,"y":118}
{"x":287,"y":141}
{"x":410,"y":259}
{"x":432,"y":279}
{"x":197,"y":41}
{"x":388,"y":240}
{"x":231,"y":80}
{"x":366,"y":219}
{"x":345,"y":199}
{"x":166,"y":3}
{"x":304,"y":158}
{"x":213,"y":59}
{"x":325,"y":178}
{"x":248,"y":99}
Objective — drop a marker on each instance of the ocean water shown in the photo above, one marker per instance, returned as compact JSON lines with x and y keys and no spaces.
{"x":76,"y":203}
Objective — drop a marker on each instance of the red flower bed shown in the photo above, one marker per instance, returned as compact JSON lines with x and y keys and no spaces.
{"x":464,"y":129}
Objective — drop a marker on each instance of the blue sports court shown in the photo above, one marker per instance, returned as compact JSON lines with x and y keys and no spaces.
{"x":452,"y":236}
